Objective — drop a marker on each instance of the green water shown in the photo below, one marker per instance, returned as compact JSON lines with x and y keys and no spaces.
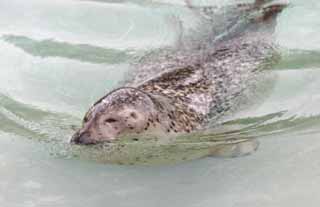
{"x":58,"y":57}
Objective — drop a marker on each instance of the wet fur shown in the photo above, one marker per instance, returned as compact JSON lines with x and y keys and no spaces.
{"x":189,"y":87}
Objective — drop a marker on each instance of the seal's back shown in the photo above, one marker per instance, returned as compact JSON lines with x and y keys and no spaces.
{"x":207,"y":79}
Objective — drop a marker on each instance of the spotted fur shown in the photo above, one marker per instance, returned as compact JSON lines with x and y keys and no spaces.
{"x":180,"y":91}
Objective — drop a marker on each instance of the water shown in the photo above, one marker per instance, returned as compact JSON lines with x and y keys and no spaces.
{"x":58,"y":57}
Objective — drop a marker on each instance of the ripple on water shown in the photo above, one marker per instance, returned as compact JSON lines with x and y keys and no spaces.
{"x":56,"y":70}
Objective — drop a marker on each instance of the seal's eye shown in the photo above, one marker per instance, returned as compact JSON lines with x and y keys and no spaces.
{"x":133,"y":115}
{"x":110,"y":120}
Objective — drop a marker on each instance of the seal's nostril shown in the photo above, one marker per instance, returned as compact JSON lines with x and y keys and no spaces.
{"x":75,"y":138}
{"x":78,"y":138}
{"x":81,"y":138}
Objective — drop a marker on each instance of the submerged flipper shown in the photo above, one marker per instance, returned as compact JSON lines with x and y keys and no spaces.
{"x":239,"y":149}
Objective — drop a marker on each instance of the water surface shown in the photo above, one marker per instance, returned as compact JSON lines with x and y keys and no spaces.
{"x":58,"y":57}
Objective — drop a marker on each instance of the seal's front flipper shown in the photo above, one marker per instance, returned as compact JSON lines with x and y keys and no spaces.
{"x":235,"y":149}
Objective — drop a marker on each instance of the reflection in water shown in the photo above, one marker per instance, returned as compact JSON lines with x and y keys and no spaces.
{"x":53,"y":130}
{"x":81,"y":52}
{"x":24,"y":120}
{"x":283,"y":172}
{"x":298,"y":59}
{"x":292,"y":59}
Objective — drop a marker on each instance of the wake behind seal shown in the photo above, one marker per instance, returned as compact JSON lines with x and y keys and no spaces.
{"x":184,"y":91}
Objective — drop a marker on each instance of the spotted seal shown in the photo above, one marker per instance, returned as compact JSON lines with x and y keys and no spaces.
{"x":184,"y":91}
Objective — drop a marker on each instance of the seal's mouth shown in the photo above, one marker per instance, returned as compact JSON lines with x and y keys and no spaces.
{"x":84,"y":138}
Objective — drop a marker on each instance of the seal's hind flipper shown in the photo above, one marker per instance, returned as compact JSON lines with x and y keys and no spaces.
{"x":235,"y":149}
{"x":270,"y":10}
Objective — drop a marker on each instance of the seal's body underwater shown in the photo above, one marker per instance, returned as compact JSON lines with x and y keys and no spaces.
{"x":184,"y":91}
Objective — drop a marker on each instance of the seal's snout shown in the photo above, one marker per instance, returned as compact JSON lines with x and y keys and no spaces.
{"x":82,"y":138}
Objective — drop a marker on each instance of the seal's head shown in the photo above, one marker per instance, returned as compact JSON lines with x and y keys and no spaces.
{"x":122,"y":111}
